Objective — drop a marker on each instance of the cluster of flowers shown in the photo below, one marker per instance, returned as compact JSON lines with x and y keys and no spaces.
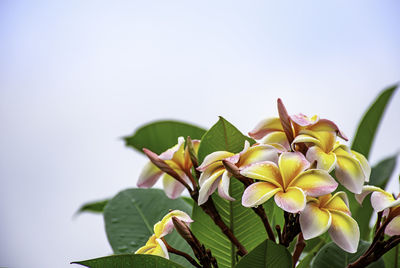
{"x":291,"y":161}
{"x":156,"y":245}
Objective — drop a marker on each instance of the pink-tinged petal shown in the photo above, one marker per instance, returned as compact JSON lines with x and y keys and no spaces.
{"x":209,"y":186}
{"x":303,"y":120}
{"x":265,"y":171}
{"x":258,"y":193}
{"x":344,"y":231}
{"x":165,"y":226}
{"x":292,"y":200}
{"x":149,"y":176}
{"x":291,"y":165}
{"x":176,"y":150}
{"x":325,"y":161}
{"x":338,"y":201}
{"x":314,"y":221}
{"x":315,"y":182}
{"x":172,"y":187}
{"x":258,"y":153}
{"x":382,"y":200}
{"x":212,"y":158}
{"x":305,"y":138}
{"x":235,"y":158}
{"x":364,"y":164}
{"x":366,"y":190}
{"x":266,"y":126}
{"x":349,"y":173}
{"x":393,"y":228}
{"x":277,"y":139}
{"x":161,"y":250}
{"x":211,"y":169}
{"x":223,"y":186}
{"x":327,"y":125}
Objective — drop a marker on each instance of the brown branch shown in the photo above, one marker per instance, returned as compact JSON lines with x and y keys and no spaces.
{"x":279,"y":232}
{"x":181,"y":253}
{"x":300,"y":245}
{"x":234,"y":170}
{"x":291,"y":228}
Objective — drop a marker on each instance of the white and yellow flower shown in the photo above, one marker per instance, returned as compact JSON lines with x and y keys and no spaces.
{"x":382,"y":201}
{"x":155,"y":244}
{"x":178,"y":159}
{"x":351,"y":168}
{"x":289,"y":182}
{"x":214,"y":175}
{"x":332,"y":214}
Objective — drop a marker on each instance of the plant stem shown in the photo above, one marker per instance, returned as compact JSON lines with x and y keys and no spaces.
{"x":300,"y":245}
{"x":181,"y":253}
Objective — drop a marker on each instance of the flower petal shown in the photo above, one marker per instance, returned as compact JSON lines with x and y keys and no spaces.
{"x":209,"y":186}
{"x":212,"y":158}
{"x":160,"y":250}
{"x":364,"y":164}
{"x":305,"y":138}
{"x":258,"y":153}
{"x":327,"y":125}
{"x":366,"y":190}
{"x":325,"y":161}
{"x":258,"y":193}
{"x":293,"y":200}
{"x":303,"y":120}
{"x":291,"y":165}
{"x":223,"y":186}
{"x":175,"y":153}
{"x":149,"y":175}
{"x":393,"y":228}
{"x":349,"y":171}
{"x":172,"y":187}
{"x":338,"y":201}
{"x":266,"y":126}
{"x":277,"y":139}
{"x":315,"y":182}
{"x":211,"y":169}
{"x":165,"y":226}
{"x":265,"y":171}
{"x":314,"y":221}
{"x":344,"y":231}
{"x":382,"y":200}
{"x":154,"y":246}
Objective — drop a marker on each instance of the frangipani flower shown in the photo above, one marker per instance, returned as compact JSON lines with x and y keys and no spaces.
{"x":382,"y":201}
{"x":330,"y":213}
{"x":178,"y":159}
{"x":289,"y":182}
{"x":154,"y":246}
{"x":351,"y":168}
{"x":214,"y":175}
{"x":165,"y":226}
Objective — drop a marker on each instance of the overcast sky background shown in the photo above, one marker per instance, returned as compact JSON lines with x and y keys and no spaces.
{"x":77,"y":75}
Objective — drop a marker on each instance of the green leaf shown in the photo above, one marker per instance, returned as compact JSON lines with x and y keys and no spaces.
{"x":331,"y":256}
{"x":129,"y":261}
{"x":392,"y":257}
{"x":312,"y":247}
{"x":223,"y":136}
{"x":161,"y":135}
{"x":369,"y":124}
{"x":130,"y":216}
{"x":267,"y":254}
{"x":94,"y":207}
{"x":380,"y":175}
{"x":244,"y":223}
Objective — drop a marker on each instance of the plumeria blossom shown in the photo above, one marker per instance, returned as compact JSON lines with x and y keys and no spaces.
{"x":332,"y":214}
{"x":165,"y":226}
{"x":382,"y":201}
{"x":289,"y":182}
{"x":214,"y":175}
{"x":270,"y":130}
{"x":178,"y":159}
{"x":155,"y":244}
{"x":351,"y":168}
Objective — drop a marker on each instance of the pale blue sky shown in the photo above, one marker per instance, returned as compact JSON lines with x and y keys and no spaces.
{"x":77,"y":75}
